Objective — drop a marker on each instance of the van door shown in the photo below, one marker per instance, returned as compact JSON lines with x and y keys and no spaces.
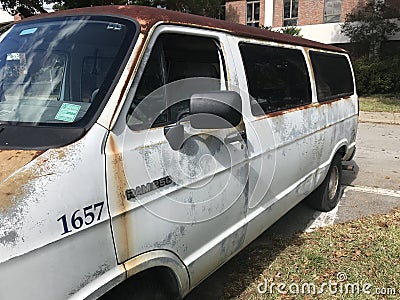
{"x":190,"y":201}
{"x":284,"y":139}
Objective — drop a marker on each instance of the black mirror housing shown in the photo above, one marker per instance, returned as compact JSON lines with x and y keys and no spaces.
{"x":175,"y":136}
{"x":215,"y":110}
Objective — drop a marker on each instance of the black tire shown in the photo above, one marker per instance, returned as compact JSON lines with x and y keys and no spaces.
{"x":138,"y":290}
{"x":147,"y":290}
{"x":327,"y":195}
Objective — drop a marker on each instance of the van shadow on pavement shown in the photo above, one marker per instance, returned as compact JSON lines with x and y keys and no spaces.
{"x":348,"y":176}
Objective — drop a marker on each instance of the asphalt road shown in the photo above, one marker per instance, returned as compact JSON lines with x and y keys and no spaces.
{"x":372,"y":187}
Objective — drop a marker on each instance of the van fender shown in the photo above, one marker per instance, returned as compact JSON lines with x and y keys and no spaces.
{"x":160,"y":258}
{"x":140,"y":263}
{"x":323,"y":168}
{"x":101,"y":285}
{"x":340,"y":144}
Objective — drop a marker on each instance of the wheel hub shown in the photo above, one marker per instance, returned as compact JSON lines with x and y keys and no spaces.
{"x":333,"y":184}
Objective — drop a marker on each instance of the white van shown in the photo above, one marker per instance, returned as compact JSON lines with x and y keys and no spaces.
{"x":142,"y":148}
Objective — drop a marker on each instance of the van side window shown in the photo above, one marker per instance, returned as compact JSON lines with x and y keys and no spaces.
{"x":333,"y":75}
{"x":178,"y":67}
{"x":277,"y":78}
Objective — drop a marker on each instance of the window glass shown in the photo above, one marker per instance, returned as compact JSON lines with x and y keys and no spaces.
{"x":94,"y":71}
{"x":290,"y":12}
{"x":333,"y":75}
{"x":249,"y":12}
{"x":256,"y":11}
{"x":178,"y":67}
{"x":290,"y":22}
{"x":46,"y":74}
{"x":253,"y":13}
{"x":333,"y":10}
{"x":222,"y":12}
{"x":295,"y":8}
{"x":51,"y":70}
{"x":277,"y":78}
{"x":286,"y":8}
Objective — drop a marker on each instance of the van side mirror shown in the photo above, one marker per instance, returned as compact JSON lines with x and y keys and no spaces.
{"x":216,"y":110}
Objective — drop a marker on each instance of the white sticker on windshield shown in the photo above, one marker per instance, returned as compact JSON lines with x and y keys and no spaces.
{"x":67,"y":112}
{"x":13,"y":56}
{"x":114,"y":26}
{"x":28,"y":31}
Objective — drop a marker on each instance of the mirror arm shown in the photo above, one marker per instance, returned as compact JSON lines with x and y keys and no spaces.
{"x":175,"y":135}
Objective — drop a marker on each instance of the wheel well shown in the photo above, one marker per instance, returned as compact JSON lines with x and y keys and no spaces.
{"x":341,"y":151}
{"x":162,"y":276}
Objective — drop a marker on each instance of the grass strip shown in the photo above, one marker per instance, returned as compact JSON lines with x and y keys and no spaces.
{"x":380,"y":103}
{"x":354,"y":260}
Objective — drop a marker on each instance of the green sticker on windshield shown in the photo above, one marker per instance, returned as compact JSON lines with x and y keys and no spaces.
{"x":68,"y":112}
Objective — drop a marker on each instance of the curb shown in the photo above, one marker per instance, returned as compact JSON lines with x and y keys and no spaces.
{"x":378,"y":122}
{"x":379,"y":118}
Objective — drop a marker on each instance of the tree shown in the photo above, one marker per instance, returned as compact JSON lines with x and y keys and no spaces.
{"x":26,"y":8}
{"x":290,"y":30}
{"x":370,"y":24}
{"x":68,"y":4}
{"x":208,"y":8}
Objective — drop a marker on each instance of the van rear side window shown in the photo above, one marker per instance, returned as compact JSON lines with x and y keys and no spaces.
{"x":277,"y":78}
{"x":333,"y":75}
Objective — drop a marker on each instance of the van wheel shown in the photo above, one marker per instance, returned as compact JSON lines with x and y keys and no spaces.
{"x":139,"y":290}
{"x":149,"y":291}
{"x":327,"y":195}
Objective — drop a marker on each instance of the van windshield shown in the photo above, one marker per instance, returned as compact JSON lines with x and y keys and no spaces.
{"x":58,"y":71}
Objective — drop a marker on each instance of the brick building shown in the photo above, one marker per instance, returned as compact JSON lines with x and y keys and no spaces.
{"x":318,"y":19}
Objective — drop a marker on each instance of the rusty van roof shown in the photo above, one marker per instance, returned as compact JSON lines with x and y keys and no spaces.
{"x":149,"y":16}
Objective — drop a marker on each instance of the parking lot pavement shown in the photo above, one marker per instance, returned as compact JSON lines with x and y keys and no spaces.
{"x":377,"y":160}
{"x":360,"y":202}
{"x":372,"y":187}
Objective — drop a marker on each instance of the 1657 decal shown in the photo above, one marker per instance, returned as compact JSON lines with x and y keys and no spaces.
{"x":80,"y":217}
